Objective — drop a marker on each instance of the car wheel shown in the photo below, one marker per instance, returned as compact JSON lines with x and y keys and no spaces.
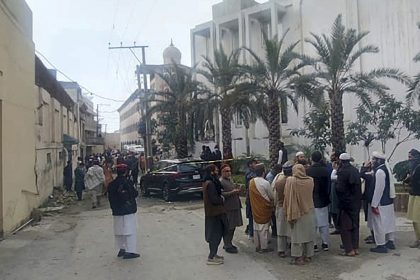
{"x":166,"y":194}
{"x":144,"y":190}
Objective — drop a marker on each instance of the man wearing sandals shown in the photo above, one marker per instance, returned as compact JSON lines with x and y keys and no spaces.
{"x":349,"y":194}
{"x":299,"y":211}
{"x":261,"y":198}
{"x":382,"y":205}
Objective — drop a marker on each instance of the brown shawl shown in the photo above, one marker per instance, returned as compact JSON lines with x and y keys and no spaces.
{"x":262,"y":209}
{"x":279,"y":187}
{"x":298,"y":194}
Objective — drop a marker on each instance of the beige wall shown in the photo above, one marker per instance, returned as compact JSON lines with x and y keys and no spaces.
{"x":17,"y":66}
{"x":112,"y":141}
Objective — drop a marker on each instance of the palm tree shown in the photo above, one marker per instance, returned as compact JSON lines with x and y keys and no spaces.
{"x":273,"y":78}
{"x":334,"y":73}
{"x":414,"y":89}
{"x":223,"y":73}
{"x":178,"y":101}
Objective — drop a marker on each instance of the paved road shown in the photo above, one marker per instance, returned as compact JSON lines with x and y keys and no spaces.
{"x":79,"y":245}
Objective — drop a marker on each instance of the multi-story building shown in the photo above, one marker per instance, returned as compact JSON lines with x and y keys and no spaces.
{"x":240,"y":23}
{"x":129,"y":120}
{"x":89,"y":135}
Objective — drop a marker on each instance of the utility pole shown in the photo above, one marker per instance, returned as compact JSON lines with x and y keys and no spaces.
{"x":145,"y":108}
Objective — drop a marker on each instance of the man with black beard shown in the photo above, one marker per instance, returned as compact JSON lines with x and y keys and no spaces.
{"x":382,"y":213}
{"x":349,"y":194}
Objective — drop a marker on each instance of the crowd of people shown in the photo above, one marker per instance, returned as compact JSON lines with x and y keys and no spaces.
{"x":301,"y":200}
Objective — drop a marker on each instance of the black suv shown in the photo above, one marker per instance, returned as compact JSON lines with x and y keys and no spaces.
{"x":172,"y":178}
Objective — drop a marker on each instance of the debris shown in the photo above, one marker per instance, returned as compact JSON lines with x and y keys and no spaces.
{"x":51,"y":209}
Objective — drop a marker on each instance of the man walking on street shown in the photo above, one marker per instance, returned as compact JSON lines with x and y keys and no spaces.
{"x":382,"y":206}
{"x":94,"y":181}
{"x":122,"y":199}
{"x":262,"y":204}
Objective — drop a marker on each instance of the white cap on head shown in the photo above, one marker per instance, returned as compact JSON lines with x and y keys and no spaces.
{"x":345,"y":156}
{"x":378,"y":155}
{"x":299,"y":154}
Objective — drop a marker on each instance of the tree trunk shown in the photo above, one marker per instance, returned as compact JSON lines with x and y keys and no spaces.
{"x":226,"y":127}
{"x":274,"y":128}
{"x":337,"y":123}
{"x":182,"y":142}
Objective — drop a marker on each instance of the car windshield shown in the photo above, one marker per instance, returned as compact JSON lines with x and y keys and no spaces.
{"x":187,"y":167}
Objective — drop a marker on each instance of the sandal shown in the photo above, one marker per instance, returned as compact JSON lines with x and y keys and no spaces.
{"x":298,"y":261}
{"x":349,"y":254}
{"x":281,"y":254}
{"x":307,"y":259}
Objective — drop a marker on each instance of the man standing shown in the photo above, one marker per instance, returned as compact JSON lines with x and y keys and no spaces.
{"x":299,"y":212}
{"x":94,"y":181}
{"x":319,"y":172}
{"x":283,"y":229}
{"x":261,"y":198}
{"x":382,"y":205}
{"x":413,"y":212}
{"x":250,"y":174}
{"x":217,"y":156}
{"x":79,"y":179}
{"x":215,"y":220}
{"x":233,"y":207}
{"x":333,"y":208}
{"x":122,"y":199}
{"x":349,"y":195}
{"x":68,"y":176}
{"x":283,"y":157}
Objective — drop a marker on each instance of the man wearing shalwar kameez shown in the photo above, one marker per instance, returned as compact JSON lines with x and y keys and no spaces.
{"x":299,"y":211}
{"x":94,"y":181}
{"x":122,"y":199}
{"x":232,"y":206}
{"x":261,"y":198}
{"x":283,"y":229}
{"x":382,"y":215}
{"x":349,"y":194}
{"x":413,"y":212}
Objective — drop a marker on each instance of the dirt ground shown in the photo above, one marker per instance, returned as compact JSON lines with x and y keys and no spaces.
{"x":77,"y":243}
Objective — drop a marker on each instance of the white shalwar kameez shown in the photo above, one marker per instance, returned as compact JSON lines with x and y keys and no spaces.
{"x":383,"y":225}
{"x":125,"y":231}
{"x":261,"y":230}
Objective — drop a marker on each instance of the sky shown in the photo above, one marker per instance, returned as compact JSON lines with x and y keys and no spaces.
{"x":74,"y":36}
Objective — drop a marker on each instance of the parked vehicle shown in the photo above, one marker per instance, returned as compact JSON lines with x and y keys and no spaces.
{"x":172,"y":178}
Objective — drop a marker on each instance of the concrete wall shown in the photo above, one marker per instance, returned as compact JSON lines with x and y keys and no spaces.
{"x":392,"y":26}
{"x":112,"y":141}
{"x":17,"y":75}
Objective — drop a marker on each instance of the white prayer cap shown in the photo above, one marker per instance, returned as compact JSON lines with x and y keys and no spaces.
{"x":378,"y":155}
{"x":299,"y":154}
{"x":345,"y":156}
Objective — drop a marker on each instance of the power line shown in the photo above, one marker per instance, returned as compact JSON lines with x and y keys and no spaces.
{"x":70,"y":79}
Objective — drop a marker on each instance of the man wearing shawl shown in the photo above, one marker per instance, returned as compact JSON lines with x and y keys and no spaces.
{"x":382,"y":206}
{"x":261,"y":198}
{"x":299,"y":211}
{"x":215,"y":221}
{"x":413,"y":212}
{"x":94,"y":181}
{"x":232,"y":205}
{"x":283,"y":229}
{"x":349,"y":194}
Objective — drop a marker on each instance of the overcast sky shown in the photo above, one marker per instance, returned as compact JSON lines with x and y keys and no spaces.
{"x":74,"y":36}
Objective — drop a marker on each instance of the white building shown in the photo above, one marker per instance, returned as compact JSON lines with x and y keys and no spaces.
{"x":238,"y":23}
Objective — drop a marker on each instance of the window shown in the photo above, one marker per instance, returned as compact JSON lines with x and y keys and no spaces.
{"x":238,"y":119}
{"x":187,"y":167}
